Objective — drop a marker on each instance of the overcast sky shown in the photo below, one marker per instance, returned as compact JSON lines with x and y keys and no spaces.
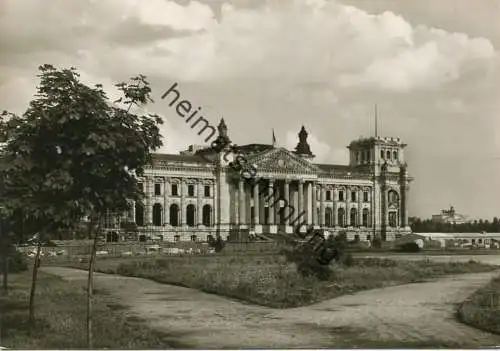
{"x":431,"y":66}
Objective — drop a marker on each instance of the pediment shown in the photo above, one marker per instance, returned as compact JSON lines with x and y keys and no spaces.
{"x":281,"y":160}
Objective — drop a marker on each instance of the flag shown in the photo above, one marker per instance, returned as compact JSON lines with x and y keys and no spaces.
{"x":274,"y":139}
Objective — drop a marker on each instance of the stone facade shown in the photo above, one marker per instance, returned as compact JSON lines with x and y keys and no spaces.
{"x":199,"y":193}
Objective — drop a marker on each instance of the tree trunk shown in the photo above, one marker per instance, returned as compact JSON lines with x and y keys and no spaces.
{"x":5,"y":266}
{"x":36,"y":264}
{"x":90,"y":286}
{"x":4,"y":252}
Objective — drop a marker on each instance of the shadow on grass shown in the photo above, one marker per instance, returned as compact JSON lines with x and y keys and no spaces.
{"x":60,"y":309}
{"x":482,"y":309}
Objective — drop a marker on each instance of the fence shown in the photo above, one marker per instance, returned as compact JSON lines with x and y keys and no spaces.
{"x":79,"y":249}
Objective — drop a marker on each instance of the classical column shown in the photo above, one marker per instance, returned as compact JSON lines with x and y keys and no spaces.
{"x":347,"y":199}
{"x":277,"y":202}
{"x":314,"y":204}
{"x":241,"y":199}
{"x":286,"y":212}
{"x":149,"y":198}
{"x":166,"y":210}
{"x":199,"y":205}
{"x":322,"y":205}
{"x":360,"y":207}
{"x":270,"y":201}
{"x":335,"y":214}
{"x":406,"y":191}
{"x":256,"y":208}
{"x":182,"y":209}
{"x":301,"y":197}
{"x":133,"y":211}
{"x":248,"y":204}
{"x":262,"y":207}
{"x":386,"y":207}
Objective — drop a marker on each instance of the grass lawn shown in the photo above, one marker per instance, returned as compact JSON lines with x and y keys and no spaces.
{"x":482,"y":309}
{"x":61,"y":312}
{"x":271,"y":281}
{"x":429,"y":252}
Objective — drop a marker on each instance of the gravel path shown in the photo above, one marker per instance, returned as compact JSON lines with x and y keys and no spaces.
{"x":413,"y":315}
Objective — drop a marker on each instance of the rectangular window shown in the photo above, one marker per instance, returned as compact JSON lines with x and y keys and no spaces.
{"x":341,"y":195}
{"x":190,"y":190}
{"x":157,"y":189}
{"x":207,"y":191}
{"x":353,"y":196}
{"x":175,"y":190}
{"x":328,"y":195}
{"x":365,"y":196}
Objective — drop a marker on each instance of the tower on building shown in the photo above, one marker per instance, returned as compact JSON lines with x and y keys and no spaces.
{"x":375,"y":151}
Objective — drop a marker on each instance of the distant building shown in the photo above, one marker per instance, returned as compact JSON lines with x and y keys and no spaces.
{"x":450,"y":216}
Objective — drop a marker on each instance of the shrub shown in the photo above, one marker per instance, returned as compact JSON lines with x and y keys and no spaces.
{"x":347,"y":260}
{"x":377,"y":242}
{"x":312,"y":268}
{"x":17,"y":262}
{"x":409,"y":247}
{"x":218,"y":244}
{"x":307,"y":264}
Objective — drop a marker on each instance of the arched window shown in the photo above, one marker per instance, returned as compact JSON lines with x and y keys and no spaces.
{"x":328,"y":217}
{"x":341,"y":217}
{"x":352,"y":216}
{"x":388,"y":155}
{"x":365,"y":217}
{"x":207,"y":215}
{"x":174,"y":215}
{"x":157,"y":214}
{"x":395,"y":155}
{"x":190,"y":215}
{"x":139,"y":214}
{"x":393,"y":198}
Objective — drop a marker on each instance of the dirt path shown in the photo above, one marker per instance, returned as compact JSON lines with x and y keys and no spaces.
{"x":414,"y":315}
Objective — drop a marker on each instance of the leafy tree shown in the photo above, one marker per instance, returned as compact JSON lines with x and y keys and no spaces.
{"x":75,"y":153}
{"x":495,"y":225}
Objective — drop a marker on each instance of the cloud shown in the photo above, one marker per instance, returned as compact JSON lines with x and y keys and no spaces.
{"x":295,"y":41}
{"x":339,"y":45}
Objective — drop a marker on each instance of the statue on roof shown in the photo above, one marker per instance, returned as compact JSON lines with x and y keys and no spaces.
{"x":303,"y":147}
{"x":222,"y":141}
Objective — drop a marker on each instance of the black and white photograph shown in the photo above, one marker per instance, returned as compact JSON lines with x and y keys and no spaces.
{"x":249,"y":174}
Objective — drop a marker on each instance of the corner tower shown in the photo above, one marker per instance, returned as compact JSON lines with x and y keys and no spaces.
{"x":376,"y":151}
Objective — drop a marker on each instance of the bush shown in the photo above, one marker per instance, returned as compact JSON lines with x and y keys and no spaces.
{"x":17,"y":262}
{"x":347,"y":260}
{"x":409,"y":247}
{"x":307,"y":264}
{"x":218,"y":244}
{"x":377,"y":242}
